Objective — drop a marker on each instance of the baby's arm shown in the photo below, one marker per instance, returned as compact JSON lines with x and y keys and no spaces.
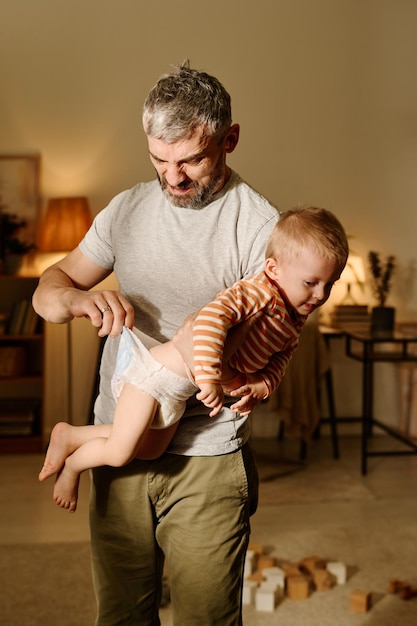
{"x":260,"y":385}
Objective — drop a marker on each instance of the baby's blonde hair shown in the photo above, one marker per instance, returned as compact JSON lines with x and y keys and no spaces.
{"x":308,"y":228}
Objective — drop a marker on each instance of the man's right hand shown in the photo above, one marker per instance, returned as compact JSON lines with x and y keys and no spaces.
{"x":107,"y":310}
{"x":64,"y":293}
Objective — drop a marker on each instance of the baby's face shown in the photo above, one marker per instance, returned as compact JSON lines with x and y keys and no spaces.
{"x":307,"y":280}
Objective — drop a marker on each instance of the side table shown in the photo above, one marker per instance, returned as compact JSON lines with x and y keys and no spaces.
{"x":369,"y":348}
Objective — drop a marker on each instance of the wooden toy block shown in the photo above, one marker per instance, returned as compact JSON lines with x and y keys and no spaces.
{"x":256,"y":547}
{"x":249,"y":591}
{"x":404,"y":589}
{"x":408,"y":592}
{"x":266,"y":598}
{"x":360,"y":601}
{"x":256,"y":577}
{"x":266,"y":561}
{"x":291,"y":569}
{"x":339,"y":571}
{"x":311,"y":563}
{"x":247,"y":570}
{"x":269,"y":585}
{"x":298,"y":587}
{"x":273,"y":571}
{"x":397,"y":586}
{"x":251,"y":554}
{"x":322,"y":579}
{"x":275,"y":575}
{"x":249,"y":566}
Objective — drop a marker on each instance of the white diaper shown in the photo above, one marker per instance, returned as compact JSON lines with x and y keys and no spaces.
{"x":136,"y":365}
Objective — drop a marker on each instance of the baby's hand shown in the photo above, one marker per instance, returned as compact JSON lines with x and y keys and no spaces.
{"x":212,"y":397}
{"x":250,"y":394}
{"x":245,"y":404}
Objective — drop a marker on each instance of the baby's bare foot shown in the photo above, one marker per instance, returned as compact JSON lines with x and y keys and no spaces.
{"x":58,"y":450}
{"x":65,"y":492}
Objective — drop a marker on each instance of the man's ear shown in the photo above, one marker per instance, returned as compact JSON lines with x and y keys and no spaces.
{"x":232,"y":138}
{"x":272,"y":268}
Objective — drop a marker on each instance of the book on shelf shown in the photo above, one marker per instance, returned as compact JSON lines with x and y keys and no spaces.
{"x":17,"y":418}
{"x":18,"y":317}
{"x":350,"y":314}
{"x":353,"y":307}
{"x":30,"y":321}
{"x":24,"y":319}
{"x":16,"y":429}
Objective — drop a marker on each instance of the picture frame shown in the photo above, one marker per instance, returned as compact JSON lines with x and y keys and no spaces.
{"x":20,"y":190}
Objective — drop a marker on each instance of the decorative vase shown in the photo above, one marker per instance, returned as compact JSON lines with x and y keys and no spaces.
{"x":382,"y":319}
{"x":13,"y":263}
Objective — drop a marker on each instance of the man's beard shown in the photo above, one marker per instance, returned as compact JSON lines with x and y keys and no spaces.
{"x":201,"y":196}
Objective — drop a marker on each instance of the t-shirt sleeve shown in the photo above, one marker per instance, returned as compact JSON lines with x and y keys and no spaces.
{"x":256,"y":258}
{"x":97,"y":243}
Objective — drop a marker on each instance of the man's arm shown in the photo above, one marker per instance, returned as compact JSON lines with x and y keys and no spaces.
{"x":63,"y":293}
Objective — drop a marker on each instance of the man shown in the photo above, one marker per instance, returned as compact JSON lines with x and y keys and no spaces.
{"x":173,"y":243}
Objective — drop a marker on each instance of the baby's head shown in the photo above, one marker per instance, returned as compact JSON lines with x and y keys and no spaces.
{"x":305,"y":255}
{"x":308,"y":228}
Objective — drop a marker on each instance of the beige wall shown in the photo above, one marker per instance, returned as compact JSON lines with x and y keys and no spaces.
{"x":324,"y":90}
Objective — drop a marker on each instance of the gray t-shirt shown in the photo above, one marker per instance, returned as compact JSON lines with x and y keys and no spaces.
{"x":169,"y":261}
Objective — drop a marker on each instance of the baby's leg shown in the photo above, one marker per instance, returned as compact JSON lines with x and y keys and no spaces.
{"x":170,"y":357}
{"x":65,"y":439}
{"x":183,"y":341}
{"x":133,"y":415}
{"x":155,"y":442}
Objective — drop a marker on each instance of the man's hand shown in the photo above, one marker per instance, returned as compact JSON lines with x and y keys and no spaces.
{"x":108,"y":310}
{"x":64,"y":292}
{"x":212,"y":397}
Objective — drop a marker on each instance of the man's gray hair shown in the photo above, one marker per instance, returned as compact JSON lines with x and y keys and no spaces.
{"x":184,"y":100}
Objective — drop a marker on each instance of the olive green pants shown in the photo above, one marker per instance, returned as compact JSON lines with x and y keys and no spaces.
{"x":194,"y":511}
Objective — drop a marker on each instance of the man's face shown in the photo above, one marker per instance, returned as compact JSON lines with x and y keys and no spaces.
{"x":191,"y":171}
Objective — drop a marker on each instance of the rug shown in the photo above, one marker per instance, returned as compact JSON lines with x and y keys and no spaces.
{"x":291,"y":483}
{"x":46,"y":585}
{"x":372,"y":555}
{"x":50,"y":584}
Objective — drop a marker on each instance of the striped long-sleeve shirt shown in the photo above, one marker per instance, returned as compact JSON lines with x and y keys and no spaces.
{"x":271,"y":339}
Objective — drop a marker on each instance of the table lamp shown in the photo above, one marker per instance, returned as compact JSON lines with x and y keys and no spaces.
{"x":65,"y":224}
{"x":353,"y":274}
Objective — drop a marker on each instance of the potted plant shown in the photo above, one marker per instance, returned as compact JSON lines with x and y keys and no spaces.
{"x":12,"y":248}
{"x":382,"y":317}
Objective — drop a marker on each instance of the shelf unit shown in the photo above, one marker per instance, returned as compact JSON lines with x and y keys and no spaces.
{"x":21,"y":372}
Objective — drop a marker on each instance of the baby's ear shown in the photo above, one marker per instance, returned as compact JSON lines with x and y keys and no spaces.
{"x":272,"y":268}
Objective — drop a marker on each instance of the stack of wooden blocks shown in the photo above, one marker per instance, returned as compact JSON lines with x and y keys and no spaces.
{"x":266,"y":583}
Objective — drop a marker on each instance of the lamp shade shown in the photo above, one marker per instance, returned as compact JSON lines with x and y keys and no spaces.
{"x":353,"y":274}
{"x":65,"y":224}
{"x":354,"y":271}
